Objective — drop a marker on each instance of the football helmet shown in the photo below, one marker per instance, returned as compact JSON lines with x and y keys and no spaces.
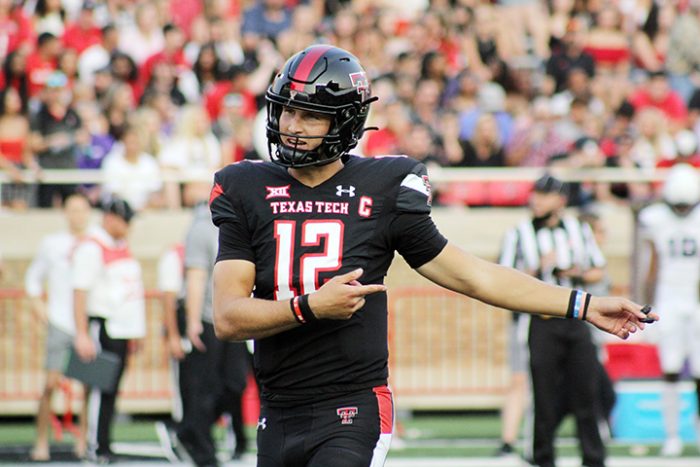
{"x":323,"y":79}
{"x":682,"y":188}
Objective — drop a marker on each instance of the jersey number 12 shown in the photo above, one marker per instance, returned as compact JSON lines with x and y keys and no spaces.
{"x":310,"y":264}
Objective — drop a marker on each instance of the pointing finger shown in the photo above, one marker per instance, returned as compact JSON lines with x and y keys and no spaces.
{"x":369,"y":289}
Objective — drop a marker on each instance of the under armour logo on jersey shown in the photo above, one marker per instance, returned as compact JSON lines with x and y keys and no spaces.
{"x":340,"y":191}
{"x":262,"y":424}
{"x":346,"y":414}
{"x":277,"y":191}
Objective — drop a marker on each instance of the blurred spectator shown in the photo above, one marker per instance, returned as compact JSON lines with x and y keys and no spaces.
{"x":148,"y":124}
{"x":109,"y":311}
{"x":164,"y":80}
{"x":484,"y":148}
{"x":426,"y":103}
{"x":84,"y":33}
{"x":119,"y":105}
{"x":606,"y":42}
{"x":48,"y":286}
{"x":570,"y":55}
{"x":225,"y":34}
{"x":171,"y":277}
{"x":97,"y":56}
{"x":16,"y":29}
{"x":526,"y":24}
{"x":171,"y":54}
{"x":15,"y":75}
{"x":145,"y":37}
{"x":96,"y":146}
{"x":651,"y":42}
{"x":193,"y":150}
{"x":486,"y":47}
{"x":535,"y":139}
{"x":653,"y":142}
{"x":124,"y":69}
{"x":216,"y":370}
{"x":491,"y":98}
{"x":53,"y":139}
{"x":265,"y":19}
{"x":208,"y":68}
{"x":448,"y":138}
{"x":683,"y":56}
{"x":657,"y":93}
{"x":394,"y":123}
{"x":420,"y":144}
{"x":301,"y":33}
{"x":609,"y":46}
{"x":15,"y":150}
{"x":131,"y":174}
{"x":67,"y":63}
{"x":49,"y":16}
{"x":42,"y":62}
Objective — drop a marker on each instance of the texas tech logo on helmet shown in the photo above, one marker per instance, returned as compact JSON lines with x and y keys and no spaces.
{"x":360,"y":81}
{"x":346,"y":414}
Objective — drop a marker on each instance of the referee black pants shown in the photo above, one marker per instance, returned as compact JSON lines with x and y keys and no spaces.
{"x":215,"y":380}
{"x":101,"y":403}
{"x":565,"y":378}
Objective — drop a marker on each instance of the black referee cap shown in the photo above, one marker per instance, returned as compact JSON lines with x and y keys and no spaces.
{"x":118,"y":207}
{"x":550,"y":184}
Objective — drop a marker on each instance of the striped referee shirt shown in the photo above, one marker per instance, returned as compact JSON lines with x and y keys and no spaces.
{"x":571,"y":242}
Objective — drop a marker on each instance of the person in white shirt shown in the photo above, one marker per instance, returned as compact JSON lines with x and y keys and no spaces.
{"x":671,"y":231}
{"x":109,"y":309}
{"x":131,"y":174}
{"x":52,"y":266}
{"x":171,"y":272}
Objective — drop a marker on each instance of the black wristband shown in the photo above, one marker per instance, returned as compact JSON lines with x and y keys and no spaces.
{"x":585,"y":306}
{"x":296,"y":310}
{"x":576,"y":306}
{"x":570,"y":308}
{"x":306,"y":312}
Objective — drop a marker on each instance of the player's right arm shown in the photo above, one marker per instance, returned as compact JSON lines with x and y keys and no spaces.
{"x":238,"y":316}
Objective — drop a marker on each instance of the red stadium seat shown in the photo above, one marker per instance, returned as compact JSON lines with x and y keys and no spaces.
{"x":485,"y":193}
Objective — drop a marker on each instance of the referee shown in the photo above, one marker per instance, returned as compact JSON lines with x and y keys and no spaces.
{"x":559,"y":249}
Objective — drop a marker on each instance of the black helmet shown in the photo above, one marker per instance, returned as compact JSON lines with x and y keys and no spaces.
{"x":327,"y":80}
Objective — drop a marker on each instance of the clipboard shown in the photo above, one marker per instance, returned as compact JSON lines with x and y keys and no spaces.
{"x":102,"y":372}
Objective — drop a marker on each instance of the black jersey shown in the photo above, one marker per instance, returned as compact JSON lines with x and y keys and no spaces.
{"x":299,"y":237}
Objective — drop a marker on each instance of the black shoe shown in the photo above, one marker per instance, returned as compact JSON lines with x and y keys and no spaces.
{"x":241,"y":448}
{"x":506,"y":450}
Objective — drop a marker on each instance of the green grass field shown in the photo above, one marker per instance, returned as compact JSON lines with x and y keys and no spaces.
{"x":422,"y":435}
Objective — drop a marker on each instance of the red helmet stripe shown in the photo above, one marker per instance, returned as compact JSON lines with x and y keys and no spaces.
{"x":307,"y":64}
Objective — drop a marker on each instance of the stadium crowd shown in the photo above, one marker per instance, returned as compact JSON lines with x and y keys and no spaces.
{"x":144,"y":88}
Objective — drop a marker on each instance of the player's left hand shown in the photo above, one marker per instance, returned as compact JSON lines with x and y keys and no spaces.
{"x":617,"y":315}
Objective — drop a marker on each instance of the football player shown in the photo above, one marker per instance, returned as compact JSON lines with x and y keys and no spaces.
{"x":305,"y":242}
{"x":671,"y":230}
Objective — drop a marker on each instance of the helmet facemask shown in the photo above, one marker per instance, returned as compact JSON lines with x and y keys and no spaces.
{"x":334,"y":88}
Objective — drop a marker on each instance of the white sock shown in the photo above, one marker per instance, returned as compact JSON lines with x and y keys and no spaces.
{"x":670,"y":407}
